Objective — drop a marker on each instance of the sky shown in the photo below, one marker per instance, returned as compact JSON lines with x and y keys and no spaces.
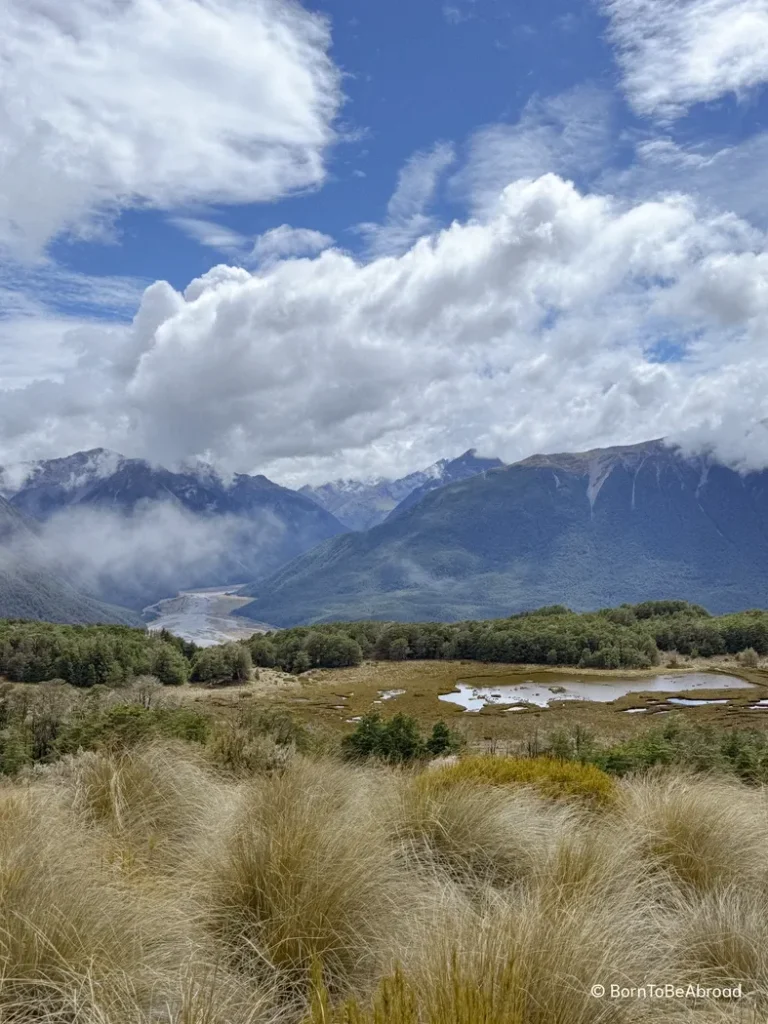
{"x":347,"y":239}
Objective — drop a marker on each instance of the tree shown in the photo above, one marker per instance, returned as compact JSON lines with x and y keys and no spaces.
{"x":398,"y":649}
{"x":262,"y":651}
{"x":169,"y":665}
{"x":230,"y":663}
{"x":443,"y":740}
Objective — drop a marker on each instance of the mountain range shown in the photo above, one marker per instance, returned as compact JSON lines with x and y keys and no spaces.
{"x":238,"y":528}
{"x":471,"y":538}
{"x":360,"y":505}
{"x":584,"y":529}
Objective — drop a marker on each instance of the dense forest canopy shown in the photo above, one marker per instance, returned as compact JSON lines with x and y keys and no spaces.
{"x":629,"y":636}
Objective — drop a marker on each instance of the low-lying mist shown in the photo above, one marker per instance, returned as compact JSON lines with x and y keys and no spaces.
{"x":138,"y":558}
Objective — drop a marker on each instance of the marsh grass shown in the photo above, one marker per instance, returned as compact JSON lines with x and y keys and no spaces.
{"x":549,"y":776}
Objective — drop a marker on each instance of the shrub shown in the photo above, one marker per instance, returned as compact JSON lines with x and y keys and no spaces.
{"x":124,"y":725}
{"x":256,"y":741}
{"x":398,"y":740}
{"x":552,"y":778}
{"x":749,"y":658}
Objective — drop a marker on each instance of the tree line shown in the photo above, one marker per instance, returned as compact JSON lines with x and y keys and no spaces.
{"x":629,"y":636}
{"x":113,"y":656}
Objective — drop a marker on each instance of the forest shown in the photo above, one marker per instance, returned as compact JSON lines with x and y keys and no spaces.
{"x":113,"y":656}
{"x":629,"y":636}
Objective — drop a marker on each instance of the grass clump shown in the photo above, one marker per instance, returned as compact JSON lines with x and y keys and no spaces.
{"x":478,"y":836}
{"x":552,"y":778}
{"x":704,"y":833}
{"x":304,"y":872}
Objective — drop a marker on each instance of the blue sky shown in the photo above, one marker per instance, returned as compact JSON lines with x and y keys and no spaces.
{"x":162,"y":141}
{"x":414,"y":75}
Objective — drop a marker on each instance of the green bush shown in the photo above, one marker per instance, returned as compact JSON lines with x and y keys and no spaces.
{"x":398,"y":740}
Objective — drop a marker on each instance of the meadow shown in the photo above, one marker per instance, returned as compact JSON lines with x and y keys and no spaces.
{"x":215,"y":861}
{"x":286,"y":848}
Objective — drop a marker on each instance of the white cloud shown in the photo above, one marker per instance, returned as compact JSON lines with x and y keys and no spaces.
{"x":675,"y":53}
{"x":285,"y":242}
{"x":110,"y":103}
{"x":456,"y":13}
{"x":211,"y":235}
{"x":726,"y":177}
{"x":532,"y":329}
{"x":569,"y":134}
{"x":407,"y":217}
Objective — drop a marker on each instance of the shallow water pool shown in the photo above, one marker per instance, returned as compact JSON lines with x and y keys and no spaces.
{"x":542,"y":691}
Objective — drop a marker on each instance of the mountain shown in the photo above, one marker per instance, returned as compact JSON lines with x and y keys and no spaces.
{"x":363,"y":504}
{"x":452,"y":472}
{"x":29,"y":592}
{"x":239,"y":528}
{"x":586,"y":530}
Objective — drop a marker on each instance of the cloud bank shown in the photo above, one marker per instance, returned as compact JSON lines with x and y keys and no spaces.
{"x":541,"y":326}
{"x":158,"y":549}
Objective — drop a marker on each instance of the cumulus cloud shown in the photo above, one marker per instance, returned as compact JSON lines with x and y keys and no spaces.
{"x":407,"y":217}
{"x":284,"y":242}
{"x":675,"y":53}
{"x":533,"y":328}
{"x":110,"y":103}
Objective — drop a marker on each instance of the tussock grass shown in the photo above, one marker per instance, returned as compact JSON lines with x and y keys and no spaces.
{"x":723,"y":938}
{"x":478,"y":835}
{"x":65,"y":923}
{"x":704,"y":832}
{"x":510,"y":962}
{"x":150,"y":800}
{"x":143,"y":886}
{"x":304,"y":873}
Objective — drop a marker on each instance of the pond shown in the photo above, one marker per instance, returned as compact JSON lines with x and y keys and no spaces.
{"x":542,"y":689}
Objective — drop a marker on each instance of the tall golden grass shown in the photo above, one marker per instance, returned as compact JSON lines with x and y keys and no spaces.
{"x":146,"y":887}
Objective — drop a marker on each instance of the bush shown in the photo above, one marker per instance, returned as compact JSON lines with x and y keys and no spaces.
{"x":749,"y":658}
{"x":398,"y":740}
{"x":559,"y":780}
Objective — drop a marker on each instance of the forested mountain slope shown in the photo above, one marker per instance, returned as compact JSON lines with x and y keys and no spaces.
{"x":587,"y":530}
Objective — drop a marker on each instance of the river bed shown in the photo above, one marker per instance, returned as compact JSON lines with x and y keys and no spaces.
{"x":203,"y":616}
